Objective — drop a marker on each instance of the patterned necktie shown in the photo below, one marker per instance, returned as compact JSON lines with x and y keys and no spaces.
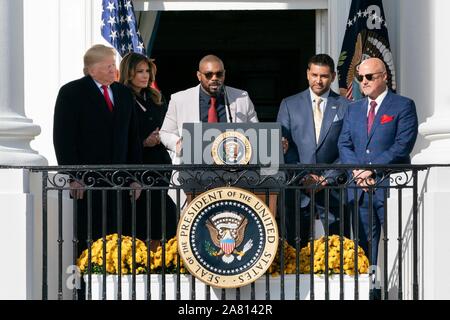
{"x":318,"y":116}
{"x":371,"y":116}
{"x":107,"y":98}
{"x":212,"y":112}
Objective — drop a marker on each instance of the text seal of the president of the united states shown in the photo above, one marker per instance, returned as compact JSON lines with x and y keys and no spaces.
{"x":227,"y":237}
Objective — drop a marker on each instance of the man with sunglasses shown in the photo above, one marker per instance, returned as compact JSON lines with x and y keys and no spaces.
{"x":380,"y":129}
{"x":311,"y":123}
{"x":209,"y":101}
{"x":206,"y":102}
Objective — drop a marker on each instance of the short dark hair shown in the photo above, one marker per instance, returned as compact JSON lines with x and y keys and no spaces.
{"x":322,"y":59}
{"x":210,"y":58}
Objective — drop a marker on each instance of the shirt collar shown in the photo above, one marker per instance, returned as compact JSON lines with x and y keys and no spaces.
{"x":380,"y":98}
{"x":206,"y":97}
{"x":324,"y":96}
{"x":205,"y":94}
{"x":99,"y":85}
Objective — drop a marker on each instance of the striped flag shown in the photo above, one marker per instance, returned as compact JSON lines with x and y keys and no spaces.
{"x":227,"y":245}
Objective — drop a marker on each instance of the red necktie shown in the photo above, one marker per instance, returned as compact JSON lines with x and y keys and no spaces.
{"x":107,"y":98}
{"x":371,"y":115}
{"x":212,"y":112}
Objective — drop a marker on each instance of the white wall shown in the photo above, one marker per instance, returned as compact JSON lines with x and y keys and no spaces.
{"x":410,"y":28}
{"x":15,"y":220}
{"x":56,"y":33}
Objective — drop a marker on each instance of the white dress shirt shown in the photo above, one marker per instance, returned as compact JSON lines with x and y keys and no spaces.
{"x":323,"y":103}
{"x":378,"y":100}
{"x":99,"y":85}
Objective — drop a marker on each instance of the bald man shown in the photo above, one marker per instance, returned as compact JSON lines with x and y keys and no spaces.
{"x":205,"y":102}
{"x":194,"y":104}
{"x":379,"y":129}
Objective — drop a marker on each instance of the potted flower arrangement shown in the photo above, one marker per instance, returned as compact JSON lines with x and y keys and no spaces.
{"x":334,"y":258}
{"x":319,"y":258}
{"x":186,"y":281}
{"x":141,"y":265}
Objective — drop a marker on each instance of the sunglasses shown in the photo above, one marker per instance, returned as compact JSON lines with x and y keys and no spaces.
{"x":209,"y":75}
{"x":368,"y":76}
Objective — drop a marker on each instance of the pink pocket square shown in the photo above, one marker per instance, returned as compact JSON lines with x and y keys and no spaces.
{"x":385,"y":118}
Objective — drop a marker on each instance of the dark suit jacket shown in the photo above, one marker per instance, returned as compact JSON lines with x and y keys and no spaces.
{"x":149,"y":120}
{"x":297,"y":121}
{"x":391,"y":138}
{"x":86,"y":132}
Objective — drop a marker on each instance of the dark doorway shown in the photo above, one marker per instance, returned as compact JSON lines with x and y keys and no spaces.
{"x":264,"y":52}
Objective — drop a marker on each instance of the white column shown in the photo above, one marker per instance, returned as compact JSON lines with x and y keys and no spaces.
{"x":436,"y":129}
{"x":434,"y":188}
{"x":16,"y":131}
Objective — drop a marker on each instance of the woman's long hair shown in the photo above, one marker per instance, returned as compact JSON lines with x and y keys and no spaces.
{"x":127,"y":71}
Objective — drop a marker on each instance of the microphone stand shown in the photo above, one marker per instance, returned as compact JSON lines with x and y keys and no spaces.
{"x":227,"y":103}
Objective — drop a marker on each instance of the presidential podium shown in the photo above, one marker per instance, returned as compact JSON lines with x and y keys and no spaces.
{"x":229,"y":145}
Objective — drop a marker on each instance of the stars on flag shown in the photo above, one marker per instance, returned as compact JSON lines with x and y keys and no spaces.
{"x":119,"y":28}
{"x":366,"y":15}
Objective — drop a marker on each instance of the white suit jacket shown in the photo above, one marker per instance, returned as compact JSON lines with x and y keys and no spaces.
{"x":184,"y":108}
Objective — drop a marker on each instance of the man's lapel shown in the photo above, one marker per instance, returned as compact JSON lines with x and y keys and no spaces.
{"x":232,"y":106}
{"x":382,"y":110}
{"x":361,"y":121}
{"x":116,"y":98}
{"x":330,"y":112}
{"x":95,"y":95}
{"x":305,"y":113}
{"x":192,"y":107}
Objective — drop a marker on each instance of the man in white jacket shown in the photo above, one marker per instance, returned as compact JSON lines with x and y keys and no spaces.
{"x":210,"y":101}
{"x":194,"y":104}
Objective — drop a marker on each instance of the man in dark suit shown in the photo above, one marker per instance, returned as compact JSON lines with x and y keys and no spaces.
{"x":311,"y":123}
{"x":95,"y":124}
{"x":379,"y":129}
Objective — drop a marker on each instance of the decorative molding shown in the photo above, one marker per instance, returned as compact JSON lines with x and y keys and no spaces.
{"x":177,"y":5}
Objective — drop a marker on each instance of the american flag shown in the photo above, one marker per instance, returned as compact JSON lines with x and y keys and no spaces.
{"x":366,"y":36}
{"x":119,"y":26}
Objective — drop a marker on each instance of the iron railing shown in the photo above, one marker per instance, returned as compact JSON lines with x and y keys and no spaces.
{"x":287,"y":182}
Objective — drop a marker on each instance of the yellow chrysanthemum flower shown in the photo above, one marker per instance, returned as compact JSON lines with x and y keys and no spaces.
{"x":112,"y":255}
{"x":171,"y":257}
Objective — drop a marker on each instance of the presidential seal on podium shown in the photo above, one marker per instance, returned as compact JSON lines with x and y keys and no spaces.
{"x":231,"y":147}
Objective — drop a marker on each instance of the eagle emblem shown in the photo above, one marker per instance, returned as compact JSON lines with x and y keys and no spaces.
{"x":231,"y":147}
{"x":227,"y":231}
{"x":368,"y":44}
{"x":232,"y":153}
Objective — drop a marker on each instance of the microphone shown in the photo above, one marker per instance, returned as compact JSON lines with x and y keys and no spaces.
{"x":227,"y":103}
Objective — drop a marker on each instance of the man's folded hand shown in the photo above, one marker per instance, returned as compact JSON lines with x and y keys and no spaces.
{"x":137,"y":189}
{"x":76,"y":190}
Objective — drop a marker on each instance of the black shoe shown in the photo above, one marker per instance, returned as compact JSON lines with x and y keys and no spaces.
{"x":81,"y":292}
{"x":81,"y":295}
{"x":375,"y":294}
